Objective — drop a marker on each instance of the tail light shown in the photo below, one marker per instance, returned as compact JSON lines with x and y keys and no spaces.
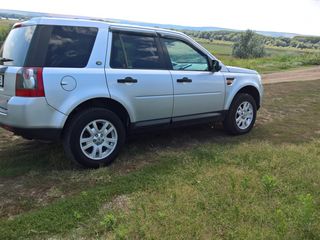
{"x":29,"y":82}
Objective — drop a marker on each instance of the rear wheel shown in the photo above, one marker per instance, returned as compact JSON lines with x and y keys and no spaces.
{"x":94,"y":137}
{"x":241,"y":115}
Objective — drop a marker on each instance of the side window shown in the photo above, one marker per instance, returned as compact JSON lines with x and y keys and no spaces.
{"x":70,"y":46}
{"x":184,"y":57}
{"x":135,"y":52}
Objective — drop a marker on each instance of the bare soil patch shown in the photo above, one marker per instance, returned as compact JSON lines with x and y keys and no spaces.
{"x":303,"y":74}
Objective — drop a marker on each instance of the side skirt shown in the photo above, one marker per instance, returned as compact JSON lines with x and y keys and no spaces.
{"x":180,"y":121}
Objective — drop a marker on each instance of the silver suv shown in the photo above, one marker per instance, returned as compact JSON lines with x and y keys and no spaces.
{"x":90,"y":83}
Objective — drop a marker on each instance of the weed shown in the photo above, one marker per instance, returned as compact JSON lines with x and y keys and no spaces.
{"x":269,"y":183}
{"x":77,"y":215}
{"x":108,"y":221}
{"x":306,"y":214}
{"x":245,"y":183}
{"x":281,"y":223}
{"x":232,"y":183}
{"x":121,"y":232}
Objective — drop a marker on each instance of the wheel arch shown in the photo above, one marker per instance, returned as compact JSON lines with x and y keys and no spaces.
{"x":249,"y":89}
{"x":106,"y":103}
{"x":253,"y":91}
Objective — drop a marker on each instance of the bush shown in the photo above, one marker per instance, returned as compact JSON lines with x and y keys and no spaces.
{"x":249,"y":46}
{"x":4,"y":30}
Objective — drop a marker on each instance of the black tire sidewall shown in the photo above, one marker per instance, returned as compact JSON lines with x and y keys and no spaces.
{"x":230,"y":122}
{"x":76,"y":127}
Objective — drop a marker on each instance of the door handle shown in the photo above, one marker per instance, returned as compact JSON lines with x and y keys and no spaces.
{"x":184,"y":80}
{"x":127,"y":80}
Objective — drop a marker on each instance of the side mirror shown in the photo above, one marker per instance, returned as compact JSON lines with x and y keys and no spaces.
{"x":215,"y":66}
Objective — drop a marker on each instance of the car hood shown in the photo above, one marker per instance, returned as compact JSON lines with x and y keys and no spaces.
{"x":241,"y":70}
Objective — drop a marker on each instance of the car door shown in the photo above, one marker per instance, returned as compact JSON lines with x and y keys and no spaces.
{"x":197,"y":90}
{"x":137,"y":76}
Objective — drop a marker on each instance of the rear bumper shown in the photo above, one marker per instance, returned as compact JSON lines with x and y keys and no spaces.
{"x":32,"y":117}
{"x":50,"y":134}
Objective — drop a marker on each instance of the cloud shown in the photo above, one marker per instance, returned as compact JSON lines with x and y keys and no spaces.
{"x":316,"y":2}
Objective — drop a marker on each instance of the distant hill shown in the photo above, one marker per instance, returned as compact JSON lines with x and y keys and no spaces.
{"x":25,"y":15}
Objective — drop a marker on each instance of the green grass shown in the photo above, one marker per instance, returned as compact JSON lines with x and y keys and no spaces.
{"x":188,"y":183}
{"x":5,"y":26}
{"x":277,"y":58}
{"x":221,"y":48}
{"x":275,"y":63}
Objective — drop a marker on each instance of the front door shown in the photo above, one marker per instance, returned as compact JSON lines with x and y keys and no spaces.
{"x":197,"y":90}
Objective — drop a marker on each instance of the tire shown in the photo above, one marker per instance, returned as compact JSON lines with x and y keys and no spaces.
{"x":94,"y":137}
{"x":243,"y":108}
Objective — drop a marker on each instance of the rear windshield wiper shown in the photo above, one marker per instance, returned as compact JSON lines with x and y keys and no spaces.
{"x":2,"y":60}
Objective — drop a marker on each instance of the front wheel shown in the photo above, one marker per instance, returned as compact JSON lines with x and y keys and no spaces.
{"x":241,"y":115}
{"x":94,"y":137}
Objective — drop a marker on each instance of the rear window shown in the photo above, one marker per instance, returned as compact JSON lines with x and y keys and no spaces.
{"x":49,"y":46}
{"x":70,"y":46}
{"x":16,"y":45}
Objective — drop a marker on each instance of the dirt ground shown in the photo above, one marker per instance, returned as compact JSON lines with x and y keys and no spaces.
{"x":303,"y":74}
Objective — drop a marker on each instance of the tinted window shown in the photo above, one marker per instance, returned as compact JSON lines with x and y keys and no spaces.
{"x":184,"y":57}
{"x":70,"y":46}
{"x":118,"y":59}
{"x":135,"y":52}
{"x":16,"y":45}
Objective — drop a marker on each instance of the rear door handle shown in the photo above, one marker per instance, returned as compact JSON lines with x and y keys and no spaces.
{"x":127,"y":80}
{"x":184,"y":80}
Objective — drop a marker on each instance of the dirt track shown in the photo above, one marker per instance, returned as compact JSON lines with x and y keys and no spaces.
{"x":304,"y":74}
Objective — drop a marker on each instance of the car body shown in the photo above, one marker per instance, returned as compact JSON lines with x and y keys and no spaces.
{"x":145,"y":76}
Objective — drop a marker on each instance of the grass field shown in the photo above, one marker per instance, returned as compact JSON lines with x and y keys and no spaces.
{"x":277,"y":59}
{"x":188,"y":183}
{"x":5,"y":26}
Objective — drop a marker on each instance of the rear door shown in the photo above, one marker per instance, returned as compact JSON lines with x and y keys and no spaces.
{"x":197,"y":90}
{"x":137,"y":76}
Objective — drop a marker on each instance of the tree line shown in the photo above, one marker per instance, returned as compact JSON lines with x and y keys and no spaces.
{"x":301,"y":42}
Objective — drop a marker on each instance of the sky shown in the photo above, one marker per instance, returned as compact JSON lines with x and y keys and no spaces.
{"x":295,"y":16}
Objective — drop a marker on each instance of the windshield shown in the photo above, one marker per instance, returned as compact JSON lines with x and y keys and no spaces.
{"x":16,"y":45}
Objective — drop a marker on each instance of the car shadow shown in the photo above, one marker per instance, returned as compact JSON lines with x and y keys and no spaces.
{"x":19,"y":156}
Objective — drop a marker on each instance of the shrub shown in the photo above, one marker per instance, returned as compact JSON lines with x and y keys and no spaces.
{"x":249,"y":46}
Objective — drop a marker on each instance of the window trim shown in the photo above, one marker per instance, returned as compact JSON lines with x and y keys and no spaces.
{"x":123,"y":50}
{"x":142,"y":34}
{"x":181,"y":39}
{"x":133,"y":32}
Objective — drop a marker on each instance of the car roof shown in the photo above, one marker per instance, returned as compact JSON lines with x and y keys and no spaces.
{"x":92,"y":23}
{"x":106,"y":24}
